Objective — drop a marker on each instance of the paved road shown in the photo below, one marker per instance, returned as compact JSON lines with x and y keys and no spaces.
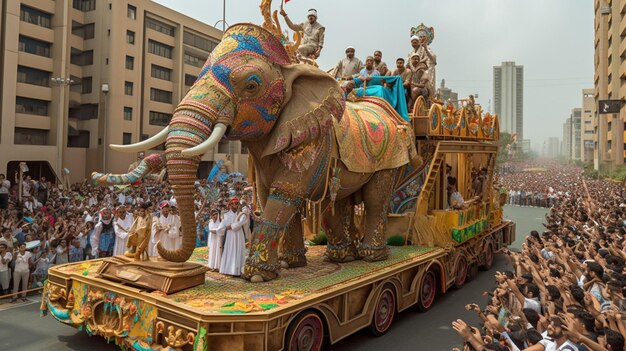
{"x":22,"y":329}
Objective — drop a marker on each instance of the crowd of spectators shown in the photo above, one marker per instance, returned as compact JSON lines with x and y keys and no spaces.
{"x":529,"y":183}
{"x":565,"y":290}
{"x":54,"y":225}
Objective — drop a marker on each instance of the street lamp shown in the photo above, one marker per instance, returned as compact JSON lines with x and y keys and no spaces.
{"x":105,"y":91}
{"x":62,"y":83}
{"x":223,"y":20}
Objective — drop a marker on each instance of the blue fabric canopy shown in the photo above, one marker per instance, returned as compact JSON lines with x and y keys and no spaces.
{"x":394,"y":94}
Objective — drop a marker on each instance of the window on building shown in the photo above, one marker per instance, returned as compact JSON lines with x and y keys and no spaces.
{"x":190,"y":79}
{"x":128,"y":113}
{"x":609,"y":126}
{"x":194,"y":60}
{"x":128,"y":88}
{"x":127,"y":138}
{"x":31,"y":106}
{"x":130,"y":37}
{"x":84,"y":112}
{"x":36,"y":17}
{"x":34,"y":76}
{"x":154,"y":47}
{"x":30,"y":136}
{"x":130,"y":62}
{"x":85,"y":31}
{"x":160,"y":118}
{"x":84,"y":5}
{"x":161,"y":95}
{"x":160,"y":26}
{"x":81,"y":58}
{"x":160,"y":72}
{"x":80,"y":139}
{"x":34,"y":46}
{"x":132,"y":12}
{"x":609,"y":144}
{"x":86,"y":84}
{"x":244,"y":149}
{"x":199,"y":42}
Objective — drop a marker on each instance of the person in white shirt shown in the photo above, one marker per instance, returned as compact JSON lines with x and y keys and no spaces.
{"x":123,"y":222}
{"x":5,"y":185}
{"x":233,"y":256}
{"x":164,"y":229}
{"x":5,"y":259}
{"x":215,"y":241}
{"x":554,"y":338}
{"x":21,"y":272}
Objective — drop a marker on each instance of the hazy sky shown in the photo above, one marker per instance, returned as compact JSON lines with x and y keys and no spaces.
{"x":552,"y":39}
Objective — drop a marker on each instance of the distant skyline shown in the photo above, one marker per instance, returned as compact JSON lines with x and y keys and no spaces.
{"x":553,"y":40}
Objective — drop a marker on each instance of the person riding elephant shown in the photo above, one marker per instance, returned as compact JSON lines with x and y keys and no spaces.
{"x":300,"y":132}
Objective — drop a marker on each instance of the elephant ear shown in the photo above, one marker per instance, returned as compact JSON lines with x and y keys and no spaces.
{"x":312,"y":99}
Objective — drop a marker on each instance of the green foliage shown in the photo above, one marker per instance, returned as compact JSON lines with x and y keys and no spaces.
{"x":320,"y":238}
{"x":395,"y":240}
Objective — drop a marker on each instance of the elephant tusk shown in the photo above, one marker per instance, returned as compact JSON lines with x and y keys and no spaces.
{"x":214,"y":138}
{"x":156,"y":140}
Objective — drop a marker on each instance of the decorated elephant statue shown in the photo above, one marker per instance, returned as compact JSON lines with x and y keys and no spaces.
{"x":302,"y":136}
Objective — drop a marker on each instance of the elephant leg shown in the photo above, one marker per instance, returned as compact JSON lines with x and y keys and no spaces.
{"x":339,"y":231}
{"x":377,"y":195}
{"x":280,"y":209}
{"x":293,"y":250}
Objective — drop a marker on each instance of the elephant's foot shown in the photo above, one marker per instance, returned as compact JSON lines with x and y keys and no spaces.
{"x":260,"y":274}
{"x":345,"y":252}
{"x":373,"y":253}
{"x":293,"y":258}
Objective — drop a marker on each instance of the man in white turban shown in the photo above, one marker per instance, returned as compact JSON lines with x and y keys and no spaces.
{"x":312,"y":34}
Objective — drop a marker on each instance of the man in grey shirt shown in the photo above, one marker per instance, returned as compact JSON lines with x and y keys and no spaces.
{"x":312,"y":34}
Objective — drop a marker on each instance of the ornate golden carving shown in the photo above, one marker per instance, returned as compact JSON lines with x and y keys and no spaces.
{"x":175,"y":337}
{"x":108,"y":315}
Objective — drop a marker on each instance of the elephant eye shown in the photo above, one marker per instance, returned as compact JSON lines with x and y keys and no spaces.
{"x":252,"y":83}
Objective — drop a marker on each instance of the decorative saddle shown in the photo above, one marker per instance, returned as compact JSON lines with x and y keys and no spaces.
{"x":372,"y":136}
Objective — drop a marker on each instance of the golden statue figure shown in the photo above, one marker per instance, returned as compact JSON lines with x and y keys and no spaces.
{"x":139,"y":234}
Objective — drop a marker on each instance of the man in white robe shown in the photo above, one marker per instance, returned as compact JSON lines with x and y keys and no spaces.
{"x":164,"y":229}
{"x":233,"y":256}
{"x":123,"y":222}
{"x":216,"y":234}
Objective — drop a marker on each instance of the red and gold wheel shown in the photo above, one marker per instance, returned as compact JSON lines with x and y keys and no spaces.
{"x":488,"y":258}
{"x":428,"y":291}
{"x":385,"y":311}
{"x":306,"y":332}
{"x":461,"y":272}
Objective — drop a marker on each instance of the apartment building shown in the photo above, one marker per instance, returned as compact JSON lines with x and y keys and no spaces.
{"x":508,"y":97}
{"x":566,"y":144}
{"x":81,"y":74}
{"x":575,"y":138}
{"x":586,"y":130}
{"x":609,"y":82}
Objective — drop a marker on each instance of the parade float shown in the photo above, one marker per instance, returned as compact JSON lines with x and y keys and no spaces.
{"x":316,"y":157}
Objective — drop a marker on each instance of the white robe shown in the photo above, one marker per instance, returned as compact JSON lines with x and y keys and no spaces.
{"x":168,"y":235}
{"x":215,"y":242}
{"x":121,"y":227}
{"x":233,"y":256}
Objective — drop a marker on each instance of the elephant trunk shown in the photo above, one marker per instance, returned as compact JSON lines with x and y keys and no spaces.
{"x":151,"y":164}
{"x":187,"y":129}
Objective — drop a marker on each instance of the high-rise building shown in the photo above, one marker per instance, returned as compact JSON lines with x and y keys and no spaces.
{"x":508,"y":97}
{"x":526,"y":146}
{"x":575,"y":138}
{"x":552,"y":148}
{"x":446,"y":94}
{"x":566,"y":146}
{"x":609,"y":78}
{"x":81,"y":74}
{"x":586,"y":128}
